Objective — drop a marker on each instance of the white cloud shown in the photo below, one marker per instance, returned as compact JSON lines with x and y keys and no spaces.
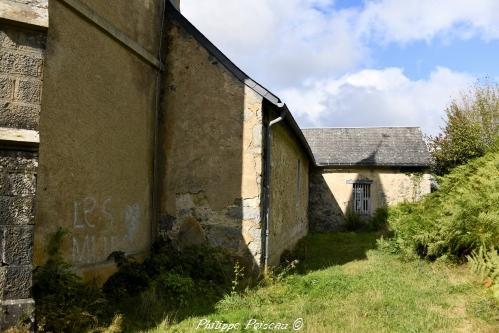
{"x":377,"y":98}
{"x":283,"y":42}
{"x":410,"y":20}
{"x":314,"y":56}
{"x":280,"y":42}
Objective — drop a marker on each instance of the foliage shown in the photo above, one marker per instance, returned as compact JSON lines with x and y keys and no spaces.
{"x":168,"y":283}
{"x":456,"y":219}
{"x":238,"y":276}
{"x":379,"y":219}
{"x":63,"y":302}
{"x":485,"y":262}
{"x":472,"y":127}
{"x":356,"y":222}
{"x":349,"y":286}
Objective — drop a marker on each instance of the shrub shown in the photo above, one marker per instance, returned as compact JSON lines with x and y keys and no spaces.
{"x":63,"y":302}
{"x":471,"y":128}
{"x":379,"y":219}
{"x":168,"y":281}
{"x":174,"y":288}
{"x":456,"y":219}
{"x":354,"y":221}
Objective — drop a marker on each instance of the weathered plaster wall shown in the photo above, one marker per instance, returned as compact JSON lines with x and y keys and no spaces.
{"x":331,"y":192}
{"x":211,"y":166}
{"x":96,"y":135}
{"x":288,"y":193}
{"x":21,"y":62}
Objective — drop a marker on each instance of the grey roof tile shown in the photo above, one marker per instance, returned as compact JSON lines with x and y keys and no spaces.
{"x":369,"y":146}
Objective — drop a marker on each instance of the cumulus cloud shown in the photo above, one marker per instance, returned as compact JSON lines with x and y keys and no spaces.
{"x":384,"y":97}
{"x":410,"y":20}
{"x":314,"y":55}
{"x":280,"y":42}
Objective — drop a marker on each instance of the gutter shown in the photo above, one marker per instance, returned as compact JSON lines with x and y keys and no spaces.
{"x":156,"y":149}
{"x":267,"y":181}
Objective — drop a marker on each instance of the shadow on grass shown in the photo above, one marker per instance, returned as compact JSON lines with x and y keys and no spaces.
{"x":321,"y":250}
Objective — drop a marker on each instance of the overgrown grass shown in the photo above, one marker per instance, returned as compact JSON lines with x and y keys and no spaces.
{"x":455,"y":220}
{"x":346,"y":285}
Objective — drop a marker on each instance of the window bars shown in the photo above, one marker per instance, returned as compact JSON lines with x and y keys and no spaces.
{"x":362,"y":198}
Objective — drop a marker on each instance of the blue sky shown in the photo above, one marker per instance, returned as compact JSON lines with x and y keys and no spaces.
{"x":358,"y":63}
{"x":474,"y":56}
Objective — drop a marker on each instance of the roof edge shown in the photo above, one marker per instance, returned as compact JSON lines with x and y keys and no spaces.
{"x":240,"y":75}
{"x":360,"y":127}
{"x":222,"y":58}
{"x":386,"y":165}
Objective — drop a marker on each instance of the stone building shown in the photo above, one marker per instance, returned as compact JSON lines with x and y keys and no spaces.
{"x":362,"y":169}
{"x":22,"y":44}
{"x":144,"y":130}
{"x":122,"y":124}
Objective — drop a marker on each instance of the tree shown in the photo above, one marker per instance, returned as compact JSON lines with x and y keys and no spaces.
{"x":471,"y":128}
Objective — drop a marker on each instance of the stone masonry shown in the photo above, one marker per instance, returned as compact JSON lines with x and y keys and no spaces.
{"x":21,"y":61}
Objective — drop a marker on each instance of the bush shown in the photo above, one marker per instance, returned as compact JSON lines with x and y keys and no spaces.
{"x":379,"y":220}
{"x":63,"y":302}
{"x":356,"y":222}
{"x":168,"y":281}
{"x":456,"y":219}
{"x":472,"y":127}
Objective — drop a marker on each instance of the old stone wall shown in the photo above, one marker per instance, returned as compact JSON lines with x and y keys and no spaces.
{"x":17,"y":195}
{"x":97,"y":125}
{"x":21,"y":73}
{"x":288,"y":193}
{"x":331,"y":192}
{"x":211,"y":152}
{"x":21,"y":65}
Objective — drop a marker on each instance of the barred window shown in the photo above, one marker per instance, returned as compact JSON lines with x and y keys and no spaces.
{"x":362,"y":198}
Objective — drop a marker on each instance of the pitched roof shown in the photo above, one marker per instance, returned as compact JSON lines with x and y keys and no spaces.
{"x":368,"y":146}
{"x":176,"y":16}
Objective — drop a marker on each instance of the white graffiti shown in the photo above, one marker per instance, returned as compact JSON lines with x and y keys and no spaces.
{"x":96,"y":231}
{"x":83,"y":209}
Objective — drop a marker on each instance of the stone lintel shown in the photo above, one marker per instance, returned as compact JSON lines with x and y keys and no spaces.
{"x":21,"y":14}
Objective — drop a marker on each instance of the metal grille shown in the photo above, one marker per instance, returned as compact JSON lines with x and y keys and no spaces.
{"x":362,"y":198}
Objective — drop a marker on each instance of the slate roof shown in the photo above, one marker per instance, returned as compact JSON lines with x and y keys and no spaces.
{"x":368,"y":146}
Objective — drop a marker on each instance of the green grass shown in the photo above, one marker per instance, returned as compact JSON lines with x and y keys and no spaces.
{"x":344,"y":284}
